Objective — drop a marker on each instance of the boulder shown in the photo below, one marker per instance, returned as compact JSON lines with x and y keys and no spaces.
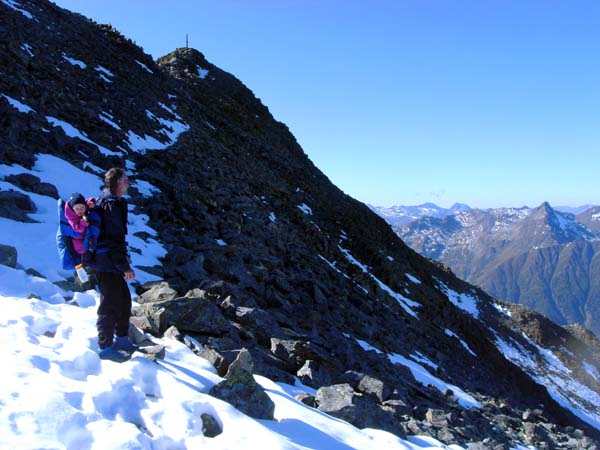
{"x":193,"y":315}
{"x":8,"y":256}
{"x":16,"y":206}
{"x":210,"y":426}
{"x":343,"y":402}
{"x":31,"y":183}
{"x":157,"y":292}
{"x":314,"y":374}
{"x":241,"y":390}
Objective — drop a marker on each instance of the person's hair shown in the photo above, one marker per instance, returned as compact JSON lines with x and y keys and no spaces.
{"x":112,"y":177}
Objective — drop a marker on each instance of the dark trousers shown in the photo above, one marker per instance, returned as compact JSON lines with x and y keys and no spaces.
{"x":115,"y":307}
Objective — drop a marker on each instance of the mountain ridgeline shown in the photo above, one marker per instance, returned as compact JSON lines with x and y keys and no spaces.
{"x":540,"y":257}
{"x":265,"y":253}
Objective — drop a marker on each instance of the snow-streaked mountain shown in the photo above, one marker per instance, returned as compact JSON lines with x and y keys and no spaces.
{"x":401,"y":215}
{"x":321,"y":328}
{"x":540,"y":257}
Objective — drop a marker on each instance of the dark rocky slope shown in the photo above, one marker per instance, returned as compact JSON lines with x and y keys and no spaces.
{"x":302,"y":270}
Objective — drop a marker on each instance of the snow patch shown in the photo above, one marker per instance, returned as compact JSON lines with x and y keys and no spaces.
{"x":305,"y":209}
{"x":17,"y":7}
{"x":27,"y":48}
{"x":73,"y":132}
{"x":144,"y":66}
{"x":466,"y":302}
{"x":108,"y":118}
{"x":73,"y":61}
{"x":413,"y":279}
{"x":463,"y":343}
{"x":21,"y":107}
{"x":272,"y":217}
{"x":202,"y":73}
{"x":404,"y":302}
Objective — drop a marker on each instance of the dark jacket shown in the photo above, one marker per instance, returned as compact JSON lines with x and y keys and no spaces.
{"x":111,"y":254}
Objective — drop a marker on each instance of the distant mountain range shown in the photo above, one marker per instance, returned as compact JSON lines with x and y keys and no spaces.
{"x":545,"y":258}
{"x":402,"y":215}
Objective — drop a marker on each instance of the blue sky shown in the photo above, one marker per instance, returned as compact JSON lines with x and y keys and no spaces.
{"x":489,"y":103}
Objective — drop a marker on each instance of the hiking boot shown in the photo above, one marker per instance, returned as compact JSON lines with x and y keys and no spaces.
{"x":112,"y":354}
{"x":125,"y":344}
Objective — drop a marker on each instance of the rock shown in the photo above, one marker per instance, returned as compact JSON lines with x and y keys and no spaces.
{"x":8,"y":256}
{"x":157,"y":292}
{"x":241,"y":390}
{"x":153,"y":352}
{"x":307,"y":399}
{"x":210,"y":426}
{"x":373,"y":386}
{"x":16,"y":206}
{"x":343,"y":402}
{"x":194,"y":315}
{"x":437,"y":418}
{"x":173,"y":333}
{"x":31,"y":183}
{"x":314,"y":374}
{"x":216,"y":359}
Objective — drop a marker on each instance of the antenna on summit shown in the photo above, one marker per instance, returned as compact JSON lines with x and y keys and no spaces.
{"x":186,"y":40}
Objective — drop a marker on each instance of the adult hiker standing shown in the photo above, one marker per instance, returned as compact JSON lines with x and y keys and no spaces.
{"x":113,"y":270}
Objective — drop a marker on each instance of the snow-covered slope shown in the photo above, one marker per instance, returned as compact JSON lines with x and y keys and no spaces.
{"x":57,"y":393}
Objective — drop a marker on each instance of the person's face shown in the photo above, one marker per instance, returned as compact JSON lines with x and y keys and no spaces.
{"x":122,"y":186}
{"x":79,"y":209}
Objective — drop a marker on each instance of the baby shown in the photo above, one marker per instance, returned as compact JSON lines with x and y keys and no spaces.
{"x":76,"y":209}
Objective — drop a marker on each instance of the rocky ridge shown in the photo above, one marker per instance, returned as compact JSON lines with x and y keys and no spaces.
{"x":265,"y":254}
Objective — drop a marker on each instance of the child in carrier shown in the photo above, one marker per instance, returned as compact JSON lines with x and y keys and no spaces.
{"x":77,"y":213}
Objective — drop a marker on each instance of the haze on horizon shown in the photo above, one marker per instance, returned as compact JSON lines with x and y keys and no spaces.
{"x":490,"y":104}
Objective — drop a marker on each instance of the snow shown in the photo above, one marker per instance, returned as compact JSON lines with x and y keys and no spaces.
{"x":413,"y":279}
{"x":419,"y":357}
{"x":17,"y":7}
{"x":202,"y":73}
{"x":502,"y":309}
{"x":390,"y":258}
{"x":21,"y":107}
{"x":547,"y":370}
{"x":596,"y":216}
{"x":171,"y":131}
{"x":57,"y":393}
{"x":305,"y":209}
{"x":37,"y":241}
{"x":423,"y":376}
{"x":144,"y":66}
{"x":26,"y":47}
{"x":406,"y":303}
{"x":272,"y":217}
{"x":103,"y":78}
{"x":144,"y":188}
{"x":73,"y":132}
{"x":105,"y":71}
{"x":108,"y":118}
{"x":332,"y":265}
{"x":465,"y":302}
{"x":93,"y":168}
{"x":74,"y":61}
{"x":591,"y":370}
{"x":463,"y":343}
{"x":221,"y":242}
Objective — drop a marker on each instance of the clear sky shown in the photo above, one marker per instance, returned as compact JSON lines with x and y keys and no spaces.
{"x":490,"y":103}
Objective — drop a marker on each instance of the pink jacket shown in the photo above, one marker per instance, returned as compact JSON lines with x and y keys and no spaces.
{"x":79,"y":225}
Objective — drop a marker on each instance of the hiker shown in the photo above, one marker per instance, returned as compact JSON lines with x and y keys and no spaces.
{"x":113,"y":270}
